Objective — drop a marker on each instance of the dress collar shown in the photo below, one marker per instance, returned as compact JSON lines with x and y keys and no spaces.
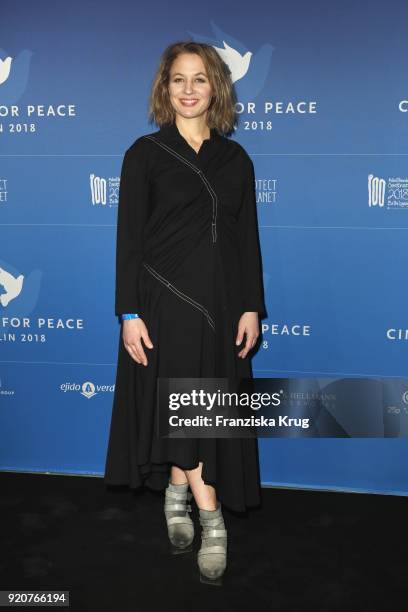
{"x":170,"y":132}
{"x":211,"y":150}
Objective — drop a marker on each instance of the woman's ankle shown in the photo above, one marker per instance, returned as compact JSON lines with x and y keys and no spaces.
{"x":209,"y":507}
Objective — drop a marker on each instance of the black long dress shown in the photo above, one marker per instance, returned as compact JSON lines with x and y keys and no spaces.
{"x":188,"y":261}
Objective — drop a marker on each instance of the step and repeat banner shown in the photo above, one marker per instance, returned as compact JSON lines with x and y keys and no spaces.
{"x":323,"y":113}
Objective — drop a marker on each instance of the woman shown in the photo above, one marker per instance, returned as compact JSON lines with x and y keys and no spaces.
{"x":189,"y":291}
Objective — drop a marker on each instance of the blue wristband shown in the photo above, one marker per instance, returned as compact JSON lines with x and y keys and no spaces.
{"x":129,"y":316}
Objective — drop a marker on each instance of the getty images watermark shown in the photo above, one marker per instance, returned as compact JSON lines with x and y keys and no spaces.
{"x":281,"y":407}
{"x":218,"y":407}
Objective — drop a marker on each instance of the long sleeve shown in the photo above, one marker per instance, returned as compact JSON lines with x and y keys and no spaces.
{"x":250,"y":252}
{"x":133,"y":201}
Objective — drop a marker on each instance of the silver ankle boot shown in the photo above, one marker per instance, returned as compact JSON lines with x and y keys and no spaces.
{"x":180,"y":527}
{"x":212,"y":556}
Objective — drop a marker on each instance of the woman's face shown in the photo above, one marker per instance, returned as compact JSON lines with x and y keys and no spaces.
{"x":189,"y":87}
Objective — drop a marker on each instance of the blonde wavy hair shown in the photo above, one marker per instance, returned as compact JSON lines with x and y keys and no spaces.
{"x":221,"y":113}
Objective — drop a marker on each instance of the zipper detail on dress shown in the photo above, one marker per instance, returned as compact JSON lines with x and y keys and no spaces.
{"x":202,"y":177}
{"x":180,"y":294}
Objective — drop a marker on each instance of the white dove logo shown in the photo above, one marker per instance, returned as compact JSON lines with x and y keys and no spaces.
{"x":5,"y":66}
{"x":12,"y":286}
{"x":237,"y":63}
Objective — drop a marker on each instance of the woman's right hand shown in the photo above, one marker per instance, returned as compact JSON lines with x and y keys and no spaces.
{"x":133,"y":331}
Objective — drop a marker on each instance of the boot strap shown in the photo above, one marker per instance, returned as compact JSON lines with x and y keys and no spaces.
{"x":172,"y":507}
{"x":208,"y":522}
{"x":210,"y":550}
{"x":179,"y":519}
{"x":214,"y":533}
{"x":175,"y":495}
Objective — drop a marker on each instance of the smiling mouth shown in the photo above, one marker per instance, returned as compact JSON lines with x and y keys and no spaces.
{"x":188,"y":101}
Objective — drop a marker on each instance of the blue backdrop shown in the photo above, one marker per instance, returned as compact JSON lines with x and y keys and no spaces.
{"x":323,"y":101}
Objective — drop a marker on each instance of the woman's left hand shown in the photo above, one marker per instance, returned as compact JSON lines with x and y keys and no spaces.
{"x":248,"y":324}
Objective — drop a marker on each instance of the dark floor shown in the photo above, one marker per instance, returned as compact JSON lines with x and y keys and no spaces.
{"x":302,"y":550}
